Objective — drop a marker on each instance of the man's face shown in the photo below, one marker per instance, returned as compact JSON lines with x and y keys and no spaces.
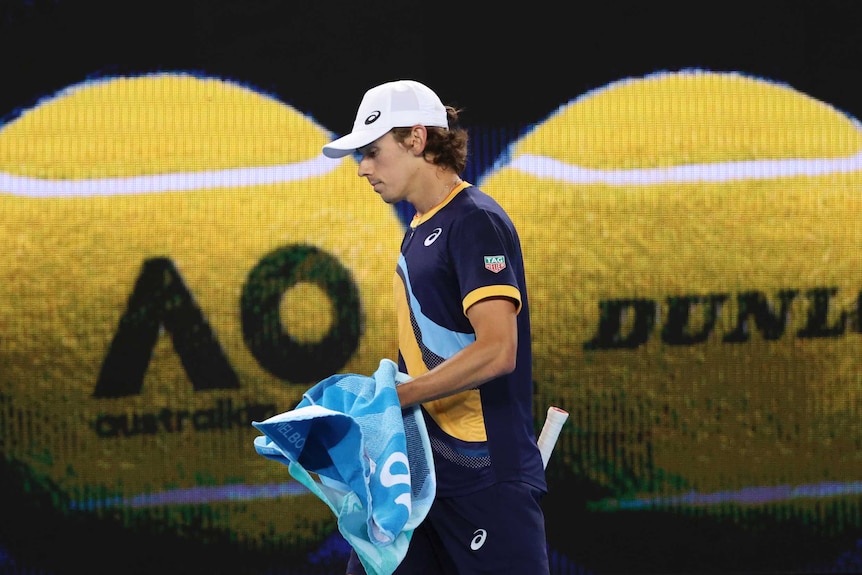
{"x":388,"y":166}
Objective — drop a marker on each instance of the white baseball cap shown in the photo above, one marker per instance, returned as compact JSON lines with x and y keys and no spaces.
{"x":398,"y":104}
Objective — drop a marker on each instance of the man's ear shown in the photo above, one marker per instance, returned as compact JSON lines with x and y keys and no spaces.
{"x":418,"y":138}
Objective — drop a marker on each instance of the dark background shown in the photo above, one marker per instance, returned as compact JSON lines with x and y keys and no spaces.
{"x":509,"y":67}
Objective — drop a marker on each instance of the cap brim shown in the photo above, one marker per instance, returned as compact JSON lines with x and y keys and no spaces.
{"x":348,"y":144}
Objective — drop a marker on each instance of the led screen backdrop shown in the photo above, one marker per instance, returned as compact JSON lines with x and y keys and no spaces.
{"x":179,"y":260}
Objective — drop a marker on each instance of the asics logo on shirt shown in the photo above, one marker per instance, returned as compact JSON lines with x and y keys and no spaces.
{"x":479,"y":537}
{"x":433,"y":236}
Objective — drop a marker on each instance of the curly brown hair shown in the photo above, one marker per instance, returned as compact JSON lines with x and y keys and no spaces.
{"x":446,"y":148}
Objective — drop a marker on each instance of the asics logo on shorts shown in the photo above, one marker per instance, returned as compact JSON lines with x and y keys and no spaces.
{"x":479,"y":537}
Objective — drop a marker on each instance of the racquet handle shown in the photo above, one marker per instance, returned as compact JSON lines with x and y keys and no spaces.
{"x":551,"y":432}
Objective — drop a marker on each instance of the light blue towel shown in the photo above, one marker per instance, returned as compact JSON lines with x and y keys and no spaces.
{"x":372,"y":460}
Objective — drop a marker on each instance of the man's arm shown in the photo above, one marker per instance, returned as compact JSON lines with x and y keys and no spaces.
{"x":492,"y":354}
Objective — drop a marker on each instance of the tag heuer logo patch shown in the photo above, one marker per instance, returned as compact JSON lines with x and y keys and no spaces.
{"x":495,"y":263}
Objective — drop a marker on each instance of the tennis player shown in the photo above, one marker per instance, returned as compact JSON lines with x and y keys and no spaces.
{"x":463,"y":336}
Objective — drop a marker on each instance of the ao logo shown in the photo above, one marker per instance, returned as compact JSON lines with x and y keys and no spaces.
{"x":181,"y":261}
{"x":389,"y":479}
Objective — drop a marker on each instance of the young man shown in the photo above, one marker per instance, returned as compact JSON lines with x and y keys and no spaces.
{"x":463,"y":337}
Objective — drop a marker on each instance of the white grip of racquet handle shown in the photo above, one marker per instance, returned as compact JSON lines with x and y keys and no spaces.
{"x":551,"y":432}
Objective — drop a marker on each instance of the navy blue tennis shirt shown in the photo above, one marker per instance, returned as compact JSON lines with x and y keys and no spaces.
{"x":462,"y":251}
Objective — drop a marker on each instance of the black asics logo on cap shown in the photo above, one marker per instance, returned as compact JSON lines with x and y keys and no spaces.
{"x":372,"y":117}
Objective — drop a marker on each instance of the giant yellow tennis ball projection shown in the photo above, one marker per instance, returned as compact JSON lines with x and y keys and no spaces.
{"x":694,"y":255}
{"x":179,"y":260}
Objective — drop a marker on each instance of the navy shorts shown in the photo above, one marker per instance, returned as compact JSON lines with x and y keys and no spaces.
{"x":500,"y":529}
